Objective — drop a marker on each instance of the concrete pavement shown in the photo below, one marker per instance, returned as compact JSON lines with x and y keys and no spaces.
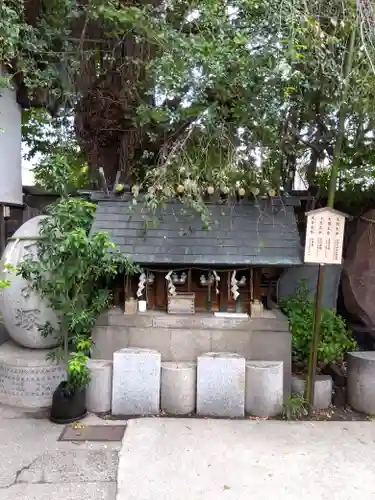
{"x":34,"y":465}
{"x":191,"y":459}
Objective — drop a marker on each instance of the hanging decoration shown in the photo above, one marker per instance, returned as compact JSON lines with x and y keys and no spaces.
{"x":141,"y":284}
{"x":217,"y":280}
{"x":242,"y":281}
{"x":212,"y":278}
{"x":234,"y":286}
{"x":179,"y":279}
{"x":150,"y":278}
{"x":171,"y":287}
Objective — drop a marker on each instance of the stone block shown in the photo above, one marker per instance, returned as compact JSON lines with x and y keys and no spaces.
{"x":322,"y":390}
{"x":221,"y":385}
{"x":136,"y":382}
{"x":27,"y":378}
{"x":361,"y":381}
{"x":264,"y":388}
{"x":178,"y":387}
{"x":99,"y":390}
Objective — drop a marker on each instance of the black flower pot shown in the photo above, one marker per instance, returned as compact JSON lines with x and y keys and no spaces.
{"x":68,"y":406}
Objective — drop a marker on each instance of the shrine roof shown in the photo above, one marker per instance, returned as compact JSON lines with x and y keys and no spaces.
{"x":242,"y":234}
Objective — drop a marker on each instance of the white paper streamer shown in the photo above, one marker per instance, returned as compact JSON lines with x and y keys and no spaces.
{"x":171,"y":287}
{"x":217,"y":279}
{"x":234,"y":287}
{"x":141,"y":284}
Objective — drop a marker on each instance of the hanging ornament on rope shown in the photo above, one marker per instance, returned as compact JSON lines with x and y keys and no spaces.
{"x":217,"y":281}
{"x":171,"y":287}
{"x":234,"y":287}
{"x":141,"y":284}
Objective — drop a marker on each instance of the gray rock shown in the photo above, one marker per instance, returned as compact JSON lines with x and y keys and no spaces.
{"x":99,"y":390}
{"x":221,"y":385}
{"x":322,"y":390}
{"x":136,"y":382}
{"x":264,"y":388}
{"x":21,"y":309}
{"x":291,"y":279}
{"x":361,"y":381}
{"x":178,"y":387}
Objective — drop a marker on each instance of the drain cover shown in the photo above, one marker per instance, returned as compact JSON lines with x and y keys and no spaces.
{"x":81,"y":432}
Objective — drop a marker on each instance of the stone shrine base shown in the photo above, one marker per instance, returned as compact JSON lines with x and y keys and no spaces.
{"x":27,"y":378}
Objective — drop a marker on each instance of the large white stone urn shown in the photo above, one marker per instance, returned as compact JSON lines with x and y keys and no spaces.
{"x":21,"y":309}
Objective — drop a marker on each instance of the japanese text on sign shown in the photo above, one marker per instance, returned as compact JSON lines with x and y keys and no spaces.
{"x":324,"y":237}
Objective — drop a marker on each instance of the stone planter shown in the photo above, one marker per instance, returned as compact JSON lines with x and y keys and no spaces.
{"x":264,"y":388}
{"x":360,"y":381}
{"x":322,"y":391}
{"x":99,"y":390}
{"x":178,"y":387}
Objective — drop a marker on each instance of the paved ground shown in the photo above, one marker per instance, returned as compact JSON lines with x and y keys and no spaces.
{"x":180,"y":459}
{"x":35,"y":466}
{"x":189,"y":459}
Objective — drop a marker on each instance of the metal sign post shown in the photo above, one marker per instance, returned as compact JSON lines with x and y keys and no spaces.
{"x":323,"y":245}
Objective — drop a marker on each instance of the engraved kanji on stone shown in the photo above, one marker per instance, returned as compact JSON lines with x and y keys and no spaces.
{"x":26,"y":318}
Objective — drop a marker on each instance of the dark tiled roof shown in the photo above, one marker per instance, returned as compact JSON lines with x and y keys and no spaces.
{"x":244,"y":234}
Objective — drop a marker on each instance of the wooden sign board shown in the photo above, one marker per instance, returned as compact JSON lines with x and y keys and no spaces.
{"x":324,"y":236}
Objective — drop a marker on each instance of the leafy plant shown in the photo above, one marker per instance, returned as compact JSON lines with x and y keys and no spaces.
{"x":335,"y":339}
{"x":295,"y":407}
{"x":73,"y":271}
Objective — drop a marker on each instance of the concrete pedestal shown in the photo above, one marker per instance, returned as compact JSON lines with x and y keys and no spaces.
{"x":178,"y":387}
{"x":136,"y":382}
{"x":27,"y":378}
{"x":99,"y":390}
{"x":361,"y":381}
{"x":264,"y":388}
{"x":221,"y":385}
{"x":322,"y":391}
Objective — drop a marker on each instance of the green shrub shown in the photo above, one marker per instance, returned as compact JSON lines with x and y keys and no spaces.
{"x":335,"y":339}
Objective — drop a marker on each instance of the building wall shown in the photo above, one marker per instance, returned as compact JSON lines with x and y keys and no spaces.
{"x":183,"y":338}
{"x":10,"y":148}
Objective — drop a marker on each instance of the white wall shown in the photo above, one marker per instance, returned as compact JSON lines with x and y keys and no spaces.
{"x":10,"y":149}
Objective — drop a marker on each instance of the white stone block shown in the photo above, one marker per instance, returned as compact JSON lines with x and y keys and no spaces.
{"x":322,"y":390}
{"x":221,"y":385}
{"x":99,"y":390}
{"x":264,"y":388}
{"x":178,"y":387}
{"x":27,"y":378}
{"x":136,"y":382}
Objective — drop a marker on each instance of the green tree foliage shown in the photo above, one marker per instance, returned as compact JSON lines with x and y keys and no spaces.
{"x":241,"y":93}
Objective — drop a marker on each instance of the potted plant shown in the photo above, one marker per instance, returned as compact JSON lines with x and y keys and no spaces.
{"x":69,"y":398}
{"x":74,"y":271}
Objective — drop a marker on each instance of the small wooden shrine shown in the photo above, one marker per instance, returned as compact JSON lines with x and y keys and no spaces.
{"x":232,"y":267}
